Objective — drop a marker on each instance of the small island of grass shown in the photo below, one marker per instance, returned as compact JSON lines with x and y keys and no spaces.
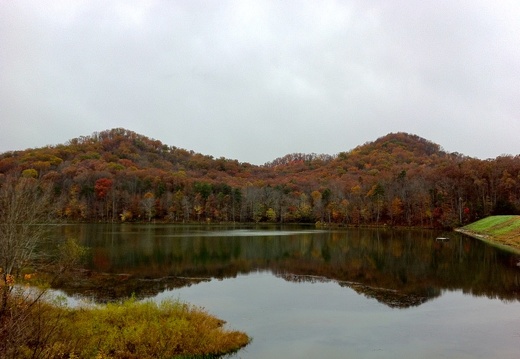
{"x":131,"y":329}
{"x":497,"y":230}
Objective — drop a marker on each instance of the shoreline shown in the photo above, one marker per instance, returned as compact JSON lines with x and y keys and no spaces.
{"x":491,"y":240}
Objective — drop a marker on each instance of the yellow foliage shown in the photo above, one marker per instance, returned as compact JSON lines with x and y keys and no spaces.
{"x":9,"y":280}
{"x":30,"y":173}
{"x":356,"y":189}
{"x":133,"y":329}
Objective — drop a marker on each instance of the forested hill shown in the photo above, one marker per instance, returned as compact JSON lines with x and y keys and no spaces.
{"x":399,"y":179}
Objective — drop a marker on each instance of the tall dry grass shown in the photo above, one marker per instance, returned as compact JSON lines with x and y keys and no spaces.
{"x":131,"y":329}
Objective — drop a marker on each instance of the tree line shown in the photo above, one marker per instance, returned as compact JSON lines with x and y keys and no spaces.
{"x":398,"y":179}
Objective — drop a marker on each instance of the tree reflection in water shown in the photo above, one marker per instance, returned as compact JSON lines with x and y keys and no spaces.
{"x":400,"y":268}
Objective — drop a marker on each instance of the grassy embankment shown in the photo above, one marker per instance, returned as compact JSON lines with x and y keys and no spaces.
{"x":497,"y":230}
{"x":131,"y":329}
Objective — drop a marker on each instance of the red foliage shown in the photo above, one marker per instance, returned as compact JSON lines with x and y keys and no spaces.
{"x":102,"y":186}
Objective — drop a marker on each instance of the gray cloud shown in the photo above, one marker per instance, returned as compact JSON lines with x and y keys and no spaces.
{"x":254,"y":80}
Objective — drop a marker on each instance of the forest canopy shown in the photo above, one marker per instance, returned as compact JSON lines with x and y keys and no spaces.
{"x":398,"y":179}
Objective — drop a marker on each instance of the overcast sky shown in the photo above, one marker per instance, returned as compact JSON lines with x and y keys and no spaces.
{"x":255,"y":80}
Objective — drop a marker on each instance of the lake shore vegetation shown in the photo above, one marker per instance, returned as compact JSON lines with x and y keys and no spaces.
{"x":129,"y":329}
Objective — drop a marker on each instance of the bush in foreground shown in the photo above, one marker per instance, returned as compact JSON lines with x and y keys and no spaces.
{"x":131,"y":329}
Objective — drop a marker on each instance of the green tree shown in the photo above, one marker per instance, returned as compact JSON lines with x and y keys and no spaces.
{"x":30,"y":173}
{"x":271,"y":215}
{"x":376,"y":193}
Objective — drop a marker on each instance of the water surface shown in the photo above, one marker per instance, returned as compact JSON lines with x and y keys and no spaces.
{"x":307,"y":293}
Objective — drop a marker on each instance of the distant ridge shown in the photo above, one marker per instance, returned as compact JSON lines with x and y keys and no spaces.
{"x":408,"y":142}
{"x":397,"y":179}
{"x":400,"y":142}
{"x":403,"y":140}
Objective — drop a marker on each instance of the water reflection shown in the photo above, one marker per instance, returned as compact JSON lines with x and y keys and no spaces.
{"x":400,"y":268}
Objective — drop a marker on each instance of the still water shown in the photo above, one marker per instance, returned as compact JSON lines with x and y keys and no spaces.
{"x":302,"y":292}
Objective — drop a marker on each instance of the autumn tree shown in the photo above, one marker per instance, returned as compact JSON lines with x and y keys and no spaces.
{"x":395,"y":210}
{"x":271,"y":215}
{"x":102,"y":188}
{"x":148,"y":204}
{"x":317,"y":204}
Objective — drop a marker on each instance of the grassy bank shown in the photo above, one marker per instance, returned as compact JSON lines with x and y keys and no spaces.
{"x":500,"y":230}
{"x":131,"y":329}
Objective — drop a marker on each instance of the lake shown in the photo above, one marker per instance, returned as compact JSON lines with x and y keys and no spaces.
{"x":302,"y":292}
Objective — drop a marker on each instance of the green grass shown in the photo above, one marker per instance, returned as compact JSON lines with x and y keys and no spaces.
{"x":495,"y":224}
{"x":499,"y":229}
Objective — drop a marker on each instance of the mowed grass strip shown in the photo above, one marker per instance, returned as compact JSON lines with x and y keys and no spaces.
{"x":500,"y":229}
{"x":489,"y":224}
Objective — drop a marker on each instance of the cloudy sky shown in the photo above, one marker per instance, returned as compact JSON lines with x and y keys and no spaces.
{"x":255,"y":80}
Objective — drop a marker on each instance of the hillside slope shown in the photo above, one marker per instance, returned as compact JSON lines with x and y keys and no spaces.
{"x":398,"y":179}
